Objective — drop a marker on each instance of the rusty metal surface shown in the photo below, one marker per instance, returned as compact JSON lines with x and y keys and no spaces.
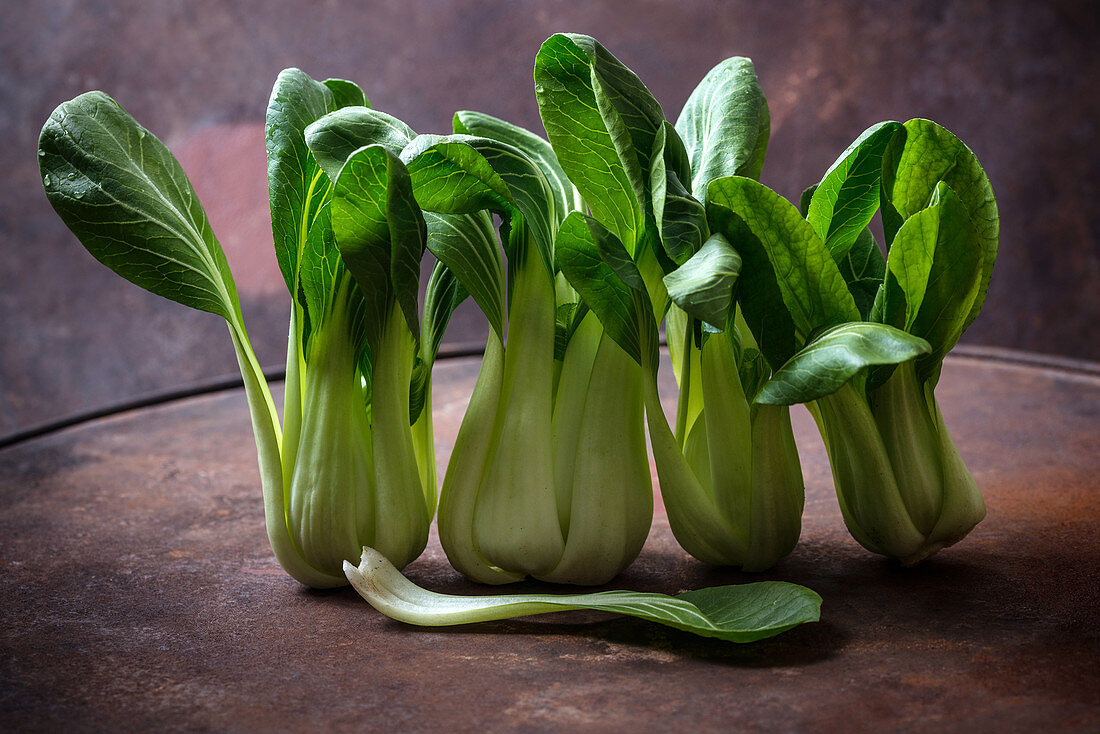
{"x":137,"y":592}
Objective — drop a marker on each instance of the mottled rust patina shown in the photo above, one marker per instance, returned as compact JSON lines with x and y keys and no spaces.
{"x":138,"y":592}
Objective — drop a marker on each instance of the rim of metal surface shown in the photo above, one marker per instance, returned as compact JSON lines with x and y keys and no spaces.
{"x":984,"y":353}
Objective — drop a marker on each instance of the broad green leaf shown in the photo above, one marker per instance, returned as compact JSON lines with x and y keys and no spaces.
{"x":704,"y":285}
{"x":467,"y":245}
{"x":602,"y":122}
{"x":742,"y":613}
{"x":127,"y":199}
{"x":380,"y":233}
{"x":848,"y":195}
{"x":935,"y":270}
{"x":790,"y":285}
{"x":338,"y":134}
{"x":863,"y":267}
{"x":914,"y":164}
{"x":566,"y":196}
{"x":681,"y":219}
{"x":725,"y":124}
{"x":461,"y":174}
{"x":297,"y":187}
{"x":598,"y":266}
{"x":835,"y":357}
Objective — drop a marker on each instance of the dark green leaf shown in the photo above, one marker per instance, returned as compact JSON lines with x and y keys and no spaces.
{"x":725,"y":124}
{"x":743,"y":613}
{"x":602,"y":123}
{"x":599,"y":268}
{"x":914,"y":164}
{"x":346,"y":94}
{"x":126,"y":197}
{"x":297,"y":186}
{"x":863,"y":269}
{"x":704,"y":285}
{"x":566,"y":197}
{"x":848,"y":195}
{"x":681,"y":219}
{"x":790,"y":285}
{"x":460,"y":174}
{"x":338,"y":134}
{"x":380,"y":233}
{"x":836,"y":356}
{"x":442,"y":296}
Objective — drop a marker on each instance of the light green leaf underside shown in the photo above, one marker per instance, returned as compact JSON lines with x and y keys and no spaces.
{"x":127,"y":199}
{"x":742,"y":613}
{"x":725,"y":124}
{"x":836,"y":356}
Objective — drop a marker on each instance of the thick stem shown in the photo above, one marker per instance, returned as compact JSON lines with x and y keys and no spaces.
{"x":401,"y":516}
{"x":516,"y":519}
{"x":329,"y":510}
{"x":462,"y":480}
{"x":612,"y":495}
{"x":691,"y":513}
{"x":870,"y":500}
{"x":908,"y":430}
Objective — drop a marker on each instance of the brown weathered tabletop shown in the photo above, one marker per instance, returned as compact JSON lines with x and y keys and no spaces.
{"x":137,"y":591}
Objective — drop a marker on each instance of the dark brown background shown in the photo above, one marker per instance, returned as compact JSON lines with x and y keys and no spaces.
{"x":1016,"y":80}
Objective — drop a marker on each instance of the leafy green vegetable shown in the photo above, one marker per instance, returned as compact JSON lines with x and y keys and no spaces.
{"x":744,"y":613}
{"x":347,"y":467}
{"x":807,"y":283}
{"x":730,"y":476}
{"x":549,"y":475}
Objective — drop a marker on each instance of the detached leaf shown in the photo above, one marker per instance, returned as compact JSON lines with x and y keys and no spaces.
{"x":848,"y":195}
{"x":704,"y":285}
{"x":121,"y":191}
{"x":599,"y":268}
{"x":912,"y":167}
{"x":338,"y":134}
{"x":743,"y":613}
{"x":725,"y":124}
{"x":835,"y":357}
